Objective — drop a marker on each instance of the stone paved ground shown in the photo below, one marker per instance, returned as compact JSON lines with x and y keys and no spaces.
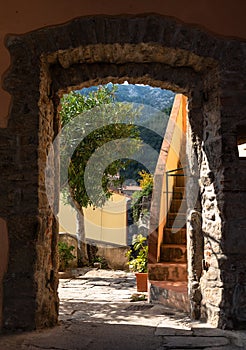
{"x":96,"y":313}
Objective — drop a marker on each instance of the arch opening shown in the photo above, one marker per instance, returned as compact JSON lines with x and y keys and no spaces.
{"x":73,"y":61}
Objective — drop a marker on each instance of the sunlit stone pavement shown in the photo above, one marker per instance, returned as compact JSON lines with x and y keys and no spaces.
{"x":104,"y":296}
{"x":97,"y":312}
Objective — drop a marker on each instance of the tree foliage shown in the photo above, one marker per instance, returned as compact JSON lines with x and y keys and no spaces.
{"x":146,"y":181}
{"x":116,"y":122}
{"x":146,"y":184}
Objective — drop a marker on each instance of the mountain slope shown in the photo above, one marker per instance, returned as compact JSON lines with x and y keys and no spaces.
{"x":155,"y":97}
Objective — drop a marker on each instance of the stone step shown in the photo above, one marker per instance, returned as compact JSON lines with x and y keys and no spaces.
{"x":173,"y":253}
{"x":171,"y":294}
{"x":175,"y":237}
{"x":178,"y":192}
{"x":168,"y":271}
{"x":178,"y":205}
{"x":177,"y":220}
{"x":179,"y":181}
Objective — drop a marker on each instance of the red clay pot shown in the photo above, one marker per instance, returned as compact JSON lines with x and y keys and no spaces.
{"x":142,"y":281}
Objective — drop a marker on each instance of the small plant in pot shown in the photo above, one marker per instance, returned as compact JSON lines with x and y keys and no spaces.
{"x":138,"y":261}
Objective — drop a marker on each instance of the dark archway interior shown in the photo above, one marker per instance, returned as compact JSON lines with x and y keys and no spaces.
{"x":151,"y":50}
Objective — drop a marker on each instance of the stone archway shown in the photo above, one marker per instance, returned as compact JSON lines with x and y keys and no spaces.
{"x":151,"y":50}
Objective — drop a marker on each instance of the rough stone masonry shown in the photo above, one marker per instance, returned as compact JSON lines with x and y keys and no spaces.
{"x":153,"y":50}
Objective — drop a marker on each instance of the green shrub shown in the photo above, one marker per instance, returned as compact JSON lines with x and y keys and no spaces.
{"x":101,"y":260}
{"x":138,"y":255}
{"x":65,"y":255}
{"x":146,"y":184}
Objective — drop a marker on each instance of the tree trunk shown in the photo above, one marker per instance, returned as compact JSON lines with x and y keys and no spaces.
{"x":80,"y":230}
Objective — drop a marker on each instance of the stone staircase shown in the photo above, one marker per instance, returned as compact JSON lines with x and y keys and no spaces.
{"x":168,"y":277}
{"x":174,"y":248}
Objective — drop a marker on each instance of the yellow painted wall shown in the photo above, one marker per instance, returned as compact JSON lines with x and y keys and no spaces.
{"x":67,"y":218}
{"x":106,"y":224}
{"x":109,"y":223}
{"x":170,"y":156}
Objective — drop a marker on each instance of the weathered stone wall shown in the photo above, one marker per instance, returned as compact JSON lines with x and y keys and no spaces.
{"x":3,"y":259}
{"x":151,"y":50}
{"x":115,"y":256}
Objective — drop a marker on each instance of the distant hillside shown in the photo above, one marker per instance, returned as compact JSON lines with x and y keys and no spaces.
{"x":155,"y":97}
{"x":147,"y":95}
{"x":157,"y":104}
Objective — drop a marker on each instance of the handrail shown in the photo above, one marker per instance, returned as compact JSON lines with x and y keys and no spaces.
{"x":171,"y":171}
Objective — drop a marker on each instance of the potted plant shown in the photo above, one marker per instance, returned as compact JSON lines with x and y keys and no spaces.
{"x":138,"y":261}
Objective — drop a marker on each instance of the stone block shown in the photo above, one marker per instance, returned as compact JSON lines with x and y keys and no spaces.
{"x":189,"y":342}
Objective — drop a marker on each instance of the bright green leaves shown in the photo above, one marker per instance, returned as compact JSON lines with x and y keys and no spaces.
{"x":138,"y":255}
{"x":89,"y":123}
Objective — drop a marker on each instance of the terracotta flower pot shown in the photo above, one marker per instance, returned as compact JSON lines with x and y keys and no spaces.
{"x":142,"y":281}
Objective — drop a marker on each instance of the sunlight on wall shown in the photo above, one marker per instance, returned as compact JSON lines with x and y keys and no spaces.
{"x":107,"y":224}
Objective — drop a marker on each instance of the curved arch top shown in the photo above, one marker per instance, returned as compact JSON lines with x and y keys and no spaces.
{"x":147,"y":49}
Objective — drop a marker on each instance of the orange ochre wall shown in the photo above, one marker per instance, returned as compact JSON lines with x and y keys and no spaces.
{"x":221,"y":17}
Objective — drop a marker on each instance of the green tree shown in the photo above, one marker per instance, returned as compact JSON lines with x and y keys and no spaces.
{"x":146,"y":184}
{"x":96,"y":120}
{"x":147,"y":180}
